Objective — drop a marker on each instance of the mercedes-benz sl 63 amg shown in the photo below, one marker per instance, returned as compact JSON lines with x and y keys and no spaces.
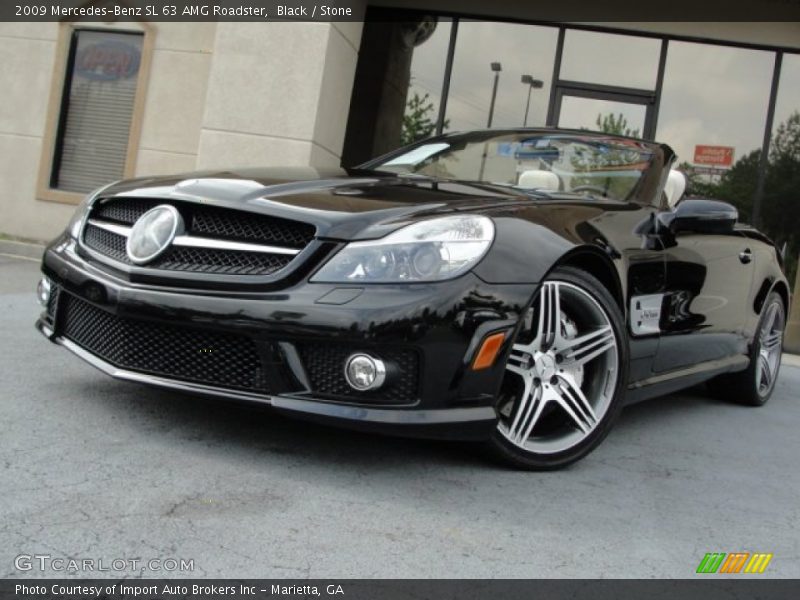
{"x":516,"y":287}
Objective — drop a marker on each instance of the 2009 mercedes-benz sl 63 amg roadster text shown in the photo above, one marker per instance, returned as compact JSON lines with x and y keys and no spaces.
{"x":516,"y":287}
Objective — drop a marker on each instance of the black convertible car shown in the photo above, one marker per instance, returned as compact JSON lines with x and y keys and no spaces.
{"x":516,"y":287}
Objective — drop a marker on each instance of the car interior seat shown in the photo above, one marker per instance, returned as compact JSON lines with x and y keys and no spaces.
{"x":538,"y":179}
{"x":674,"y":188}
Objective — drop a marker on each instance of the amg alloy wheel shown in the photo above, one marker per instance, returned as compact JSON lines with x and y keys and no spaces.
{"x":754,"y":385}
{"x":565,"y":375}
{"x":770,"y":348}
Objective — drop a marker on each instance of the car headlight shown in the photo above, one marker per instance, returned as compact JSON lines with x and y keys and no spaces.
{"x":83,"y":210}
{"x":432,"y":250}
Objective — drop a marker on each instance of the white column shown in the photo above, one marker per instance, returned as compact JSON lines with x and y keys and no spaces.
{"x":278,"y":94}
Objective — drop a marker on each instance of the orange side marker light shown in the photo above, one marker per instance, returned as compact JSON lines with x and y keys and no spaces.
{"x":488,"y":352}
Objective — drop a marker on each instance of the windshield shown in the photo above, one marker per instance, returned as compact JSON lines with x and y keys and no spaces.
{"x":592,"y":165}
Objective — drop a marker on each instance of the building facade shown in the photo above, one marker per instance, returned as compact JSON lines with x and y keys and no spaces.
{"x":85,"y":103}
{"x":204,"y":95}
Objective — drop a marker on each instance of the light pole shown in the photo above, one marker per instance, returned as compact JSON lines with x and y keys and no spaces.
{"x":531,"y":83}
{"x":496,"y":67}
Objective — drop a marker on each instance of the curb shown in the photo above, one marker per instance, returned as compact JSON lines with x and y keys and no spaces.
{"x":22,"y":249}
{"x":791,"y":339}
{"x":791,"y":360}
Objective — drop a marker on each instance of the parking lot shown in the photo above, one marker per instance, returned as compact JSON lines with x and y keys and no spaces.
{"x":101,"y":469}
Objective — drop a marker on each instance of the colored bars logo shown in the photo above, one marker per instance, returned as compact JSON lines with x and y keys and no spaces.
{"x":719,"y":562}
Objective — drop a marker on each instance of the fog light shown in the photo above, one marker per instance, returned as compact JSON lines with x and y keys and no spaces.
{"x":364,"y":372}
{"x":43,"y":291}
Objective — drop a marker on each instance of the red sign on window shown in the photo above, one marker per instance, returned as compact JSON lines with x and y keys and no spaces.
{"x":720,"y":156}
{"x":107,"y":60}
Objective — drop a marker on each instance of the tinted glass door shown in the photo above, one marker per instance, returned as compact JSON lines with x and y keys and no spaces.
{"x":600,"y":110}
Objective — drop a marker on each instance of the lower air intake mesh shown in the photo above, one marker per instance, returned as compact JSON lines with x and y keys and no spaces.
{"x":325,"y":363}
{"x":218,"y":359}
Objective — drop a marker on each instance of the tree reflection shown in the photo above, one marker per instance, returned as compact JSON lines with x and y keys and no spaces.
{"x":780,"y":208}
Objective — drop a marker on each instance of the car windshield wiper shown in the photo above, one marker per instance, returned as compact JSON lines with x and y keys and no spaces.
{"x":491,"y":185}
{"x":562,"y":194}
{"x":410,"y":175}
{"x":535,"y":192}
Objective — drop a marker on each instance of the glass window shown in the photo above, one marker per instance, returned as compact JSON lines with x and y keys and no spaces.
{"x":520,"y":50}
{"x":590,"y":165}
{"x":780,"y":208}
{"x":425,"y":86}
{"x":610,"y":59}
{"x":788,"y":100}
{"x":713,"y":112}
{"x":99,"y":93}
{"x":590,"y":113}
{"x":398,"y":83}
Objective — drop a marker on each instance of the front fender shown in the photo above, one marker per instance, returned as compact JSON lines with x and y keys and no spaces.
{"x":523,"y":252}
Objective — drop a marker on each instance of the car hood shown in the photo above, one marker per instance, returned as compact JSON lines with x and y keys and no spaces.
{"x":342,"y":204}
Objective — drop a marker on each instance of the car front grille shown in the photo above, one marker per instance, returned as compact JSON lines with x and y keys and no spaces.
{"x":123,"y":210}
{"x":230,"y":262}
{"x":188,"y":354}
{"x":248,"y":227}
{"x":195,"y":260}
{"x":52,"y":301}
{"x":324,"y":364}
{"x":106,"y":242}
{"x":206,"y":224}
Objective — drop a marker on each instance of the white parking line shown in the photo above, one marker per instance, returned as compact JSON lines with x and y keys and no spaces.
{"x":6,"y":254}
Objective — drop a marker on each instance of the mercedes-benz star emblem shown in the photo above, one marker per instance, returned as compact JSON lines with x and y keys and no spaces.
{"x":153,"y":232}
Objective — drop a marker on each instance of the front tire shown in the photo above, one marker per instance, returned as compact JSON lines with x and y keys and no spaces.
{"x":565,"y":376}
{"x":754,"y":385}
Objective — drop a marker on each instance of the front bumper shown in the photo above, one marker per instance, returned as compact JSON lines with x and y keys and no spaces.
{"x":440,"y":325}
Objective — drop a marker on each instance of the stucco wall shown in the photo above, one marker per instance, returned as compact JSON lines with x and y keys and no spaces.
{"x":278,"y":95}
{"x":27,"y":54}
{"x":218,"y":95}
{"x":171,"y":122}
{"x":176,"y":96}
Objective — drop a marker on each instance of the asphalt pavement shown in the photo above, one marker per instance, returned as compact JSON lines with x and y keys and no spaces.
{"x":98,"y":469}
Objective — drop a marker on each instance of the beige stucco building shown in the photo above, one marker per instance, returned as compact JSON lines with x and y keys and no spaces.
{"x":216,"y":95}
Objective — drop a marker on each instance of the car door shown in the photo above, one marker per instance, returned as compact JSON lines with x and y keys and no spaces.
{"x":639,"y":260}
{"x":707,"y":286}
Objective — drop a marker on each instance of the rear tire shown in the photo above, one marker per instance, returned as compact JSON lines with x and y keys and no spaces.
{"x":754,"y":385}
{"x":565,"y":377}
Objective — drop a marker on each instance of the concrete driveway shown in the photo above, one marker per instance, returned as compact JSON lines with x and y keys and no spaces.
{"x":98,"y":469}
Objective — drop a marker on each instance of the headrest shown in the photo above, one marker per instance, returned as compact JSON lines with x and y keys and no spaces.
{"x":675,"y":187}
{"x":536,"y":179}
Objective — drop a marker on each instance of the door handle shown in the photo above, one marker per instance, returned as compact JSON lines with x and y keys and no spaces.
{"x":745,"y":256}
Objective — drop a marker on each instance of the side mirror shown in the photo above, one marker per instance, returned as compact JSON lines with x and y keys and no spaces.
{"x":700,"y":216}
